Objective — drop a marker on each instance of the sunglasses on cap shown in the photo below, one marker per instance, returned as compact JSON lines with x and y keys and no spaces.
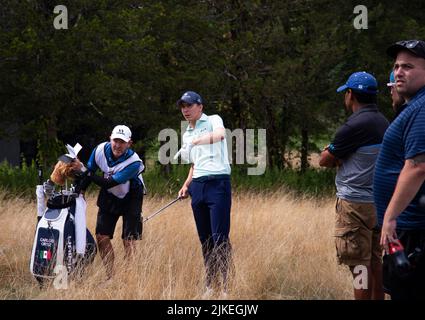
{"x":408,"y":43}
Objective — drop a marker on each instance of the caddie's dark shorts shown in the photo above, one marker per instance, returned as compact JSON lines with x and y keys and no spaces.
{"x":111,"y":208}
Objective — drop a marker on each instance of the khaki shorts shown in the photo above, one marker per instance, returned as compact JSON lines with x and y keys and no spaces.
{"x":356,"y":233}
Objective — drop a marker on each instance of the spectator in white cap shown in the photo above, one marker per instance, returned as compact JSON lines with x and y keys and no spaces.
{"x":121,"y":193}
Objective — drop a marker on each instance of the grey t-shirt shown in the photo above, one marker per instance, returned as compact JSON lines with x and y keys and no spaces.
{"x":357,"y":144}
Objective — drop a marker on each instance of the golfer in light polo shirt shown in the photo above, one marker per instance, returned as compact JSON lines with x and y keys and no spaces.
{"x":208,"y":183}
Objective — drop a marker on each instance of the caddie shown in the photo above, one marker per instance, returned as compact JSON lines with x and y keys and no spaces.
{"x":121,"y":193}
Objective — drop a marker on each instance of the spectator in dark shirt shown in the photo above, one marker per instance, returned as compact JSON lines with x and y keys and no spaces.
{"x":354,"y":151}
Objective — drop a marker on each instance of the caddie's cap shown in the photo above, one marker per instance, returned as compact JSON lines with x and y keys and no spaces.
{"x":121,"y":132}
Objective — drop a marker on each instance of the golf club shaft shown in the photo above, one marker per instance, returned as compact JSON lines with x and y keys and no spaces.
{"x":40,"y":175}
{"x":163,"y":208}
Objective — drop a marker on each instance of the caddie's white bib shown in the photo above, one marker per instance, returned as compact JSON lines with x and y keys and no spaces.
{"x":120,"y":190}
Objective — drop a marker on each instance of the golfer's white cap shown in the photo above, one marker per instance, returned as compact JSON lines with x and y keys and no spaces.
{"x":121,"y":132}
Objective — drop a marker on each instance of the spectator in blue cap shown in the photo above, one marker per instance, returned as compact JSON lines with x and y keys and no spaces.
{"x":353,"y":151}
{"x":392,"y":80}
{"x":208,"y":184}
{"x":361,"y":83}
{"x":397,"y":101}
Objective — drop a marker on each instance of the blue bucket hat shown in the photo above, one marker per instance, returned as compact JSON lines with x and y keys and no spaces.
{"x":190,"y":97}
{"x":392,"y":80}
{"x":362,"y":82}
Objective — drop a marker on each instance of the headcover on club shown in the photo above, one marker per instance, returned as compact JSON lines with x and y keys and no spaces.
{"x":68,"y":165}
{"x":72,"y":153}
{"x":63,"y":171}
{"x":65,"y":159}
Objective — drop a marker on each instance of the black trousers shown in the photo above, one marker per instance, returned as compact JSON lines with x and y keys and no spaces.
{"x":211,"y":204}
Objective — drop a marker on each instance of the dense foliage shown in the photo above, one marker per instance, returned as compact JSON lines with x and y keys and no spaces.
{"x":259,"y":64}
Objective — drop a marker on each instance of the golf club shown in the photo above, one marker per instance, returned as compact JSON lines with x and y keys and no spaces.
{"x":163,"y":208}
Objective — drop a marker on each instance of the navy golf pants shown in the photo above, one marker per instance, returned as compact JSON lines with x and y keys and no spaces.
{"x":211,"y":204}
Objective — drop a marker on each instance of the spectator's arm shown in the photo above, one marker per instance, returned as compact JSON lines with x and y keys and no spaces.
{"x":409,"y":181}
{"x":328,"y":160}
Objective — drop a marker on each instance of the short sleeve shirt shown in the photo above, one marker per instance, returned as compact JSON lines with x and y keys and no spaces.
{"x":357,"y":143}
{"x":404,"y":139}
{"x":208,"y":159}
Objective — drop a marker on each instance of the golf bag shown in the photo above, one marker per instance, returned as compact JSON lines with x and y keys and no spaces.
{"x":62,"y":242}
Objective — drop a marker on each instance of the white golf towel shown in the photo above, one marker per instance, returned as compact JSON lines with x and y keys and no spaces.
{"x":80,"y":225}
{"x":41,"y":204}
{"x":73,"y":150}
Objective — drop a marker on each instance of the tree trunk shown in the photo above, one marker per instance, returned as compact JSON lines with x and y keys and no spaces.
{"x":304,"y":149}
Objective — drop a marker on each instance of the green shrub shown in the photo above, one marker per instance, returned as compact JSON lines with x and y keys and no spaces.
{"x":313,"y":182}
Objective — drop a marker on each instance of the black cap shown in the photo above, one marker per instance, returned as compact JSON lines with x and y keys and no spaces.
{"x":417,"y":47}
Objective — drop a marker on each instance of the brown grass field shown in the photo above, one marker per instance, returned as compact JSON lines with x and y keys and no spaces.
{"x":283,"y":249}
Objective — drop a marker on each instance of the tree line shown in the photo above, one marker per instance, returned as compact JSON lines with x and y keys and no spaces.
{"x":259,"y":64}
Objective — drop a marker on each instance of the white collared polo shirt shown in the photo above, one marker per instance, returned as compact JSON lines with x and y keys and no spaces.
{"x":208,"y":159}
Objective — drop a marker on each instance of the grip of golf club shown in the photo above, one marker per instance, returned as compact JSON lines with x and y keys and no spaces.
{"x":176,"y":155}
{"x":40,"y":176}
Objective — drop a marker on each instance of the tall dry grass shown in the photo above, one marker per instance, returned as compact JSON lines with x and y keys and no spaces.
{"x":282,"y":246}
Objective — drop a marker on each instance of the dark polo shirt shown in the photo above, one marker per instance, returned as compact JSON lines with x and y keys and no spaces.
{"x":357,"y":143}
